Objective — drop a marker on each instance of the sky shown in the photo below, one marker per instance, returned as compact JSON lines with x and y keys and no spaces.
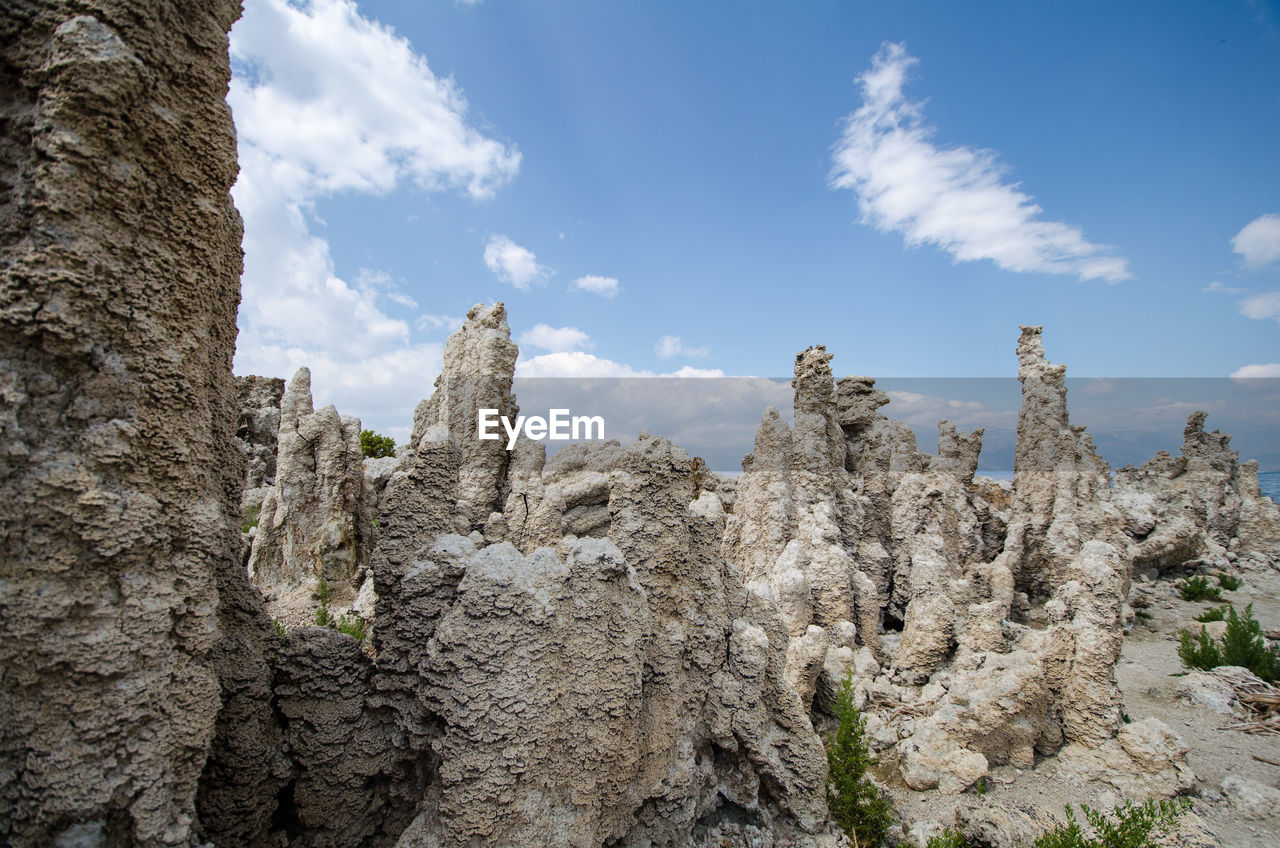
{"x":704,"y":189}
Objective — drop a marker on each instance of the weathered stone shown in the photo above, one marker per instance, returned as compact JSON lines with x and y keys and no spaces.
{"x":119,"y":267}
{"x":313,"y":527}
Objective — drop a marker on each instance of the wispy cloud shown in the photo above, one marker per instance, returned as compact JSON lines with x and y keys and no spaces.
{"x":671,"y":346}
{"x":556,"y":339}
{"x":1258,"y":242}
{"x":324,"y":101}
{"x":603,"y":286}
{"x":448,"y":323}
{"x":1271,"y":369}
{"x":1217,"y":287}
{"x":513,"y":264}
{"x":953,"y":197}
{"x":1261,"y":306}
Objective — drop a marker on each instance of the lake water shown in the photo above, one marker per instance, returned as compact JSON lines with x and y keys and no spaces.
{"x":1269,"y":483}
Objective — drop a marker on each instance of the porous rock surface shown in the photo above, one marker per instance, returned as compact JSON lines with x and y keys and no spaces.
{"x":608,"y":647}
{"x":258,"y":429}
{"x":313,"y":526}
{"x":120,"y":588}
{"x":979,"y":629}
{"x":1199,"y":508}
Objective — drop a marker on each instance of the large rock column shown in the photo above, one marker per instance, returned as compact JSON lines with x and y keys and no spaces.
{"x":119,"y":476}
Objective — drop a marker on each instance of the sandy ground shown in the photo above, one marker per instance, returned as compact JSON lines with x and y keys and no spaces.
{"x":1147,"y":664}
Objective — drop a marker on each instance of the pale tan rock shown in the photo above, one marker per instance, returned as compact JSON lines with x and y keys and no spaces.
{"x":478,"y":367}
{"x":1253,"y":801}
{"x":313,"y":527}
{"x":1145,"y":759}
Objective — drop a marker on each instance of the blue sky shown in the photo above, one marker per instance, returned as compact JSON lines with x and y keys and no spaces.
{"x":709,"y":187}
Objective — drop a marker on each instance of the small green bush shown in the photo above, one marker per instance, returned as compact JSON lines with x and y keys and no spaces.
{"x":249,"y":518}
{"x":1198,"y":589}
{"x":854,"y":801}
{"x":1128,"y":826}
{"x":949,"y":838}
{"x":324,"y":618}
{"x":1213,"y":614}
{"x":322,"y":593}
{"x":281,"y":630}
{"x":374,"y":445}
{"x":1228,"y":582}
{"x":352,"y":625}
{"x":1241,"y":645}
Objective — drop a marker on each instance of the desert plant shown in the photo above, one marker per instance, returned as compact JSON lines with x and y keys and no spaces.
{"x":352,"y":625}
{"x":322,"y":593}
{"x":249,"y":517}
{"x":1198,"y":589}
{"x":1143,"y":615}
{"x":1128,"y":826}
{"x":281,"y":630}
{"x":1241,"y":645}
{"x":854,"y":801}
{"x":1228,"y":582}
{"x":324,"y":618}
{"x":949,"y":838}
{"x":1213,"y":614}
{"x":374,"y":445}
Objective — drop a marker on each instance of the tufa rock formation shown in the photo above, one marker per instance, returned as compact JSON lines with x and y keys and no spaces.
{"x":313,"y":527}
{"x":121,"y":594}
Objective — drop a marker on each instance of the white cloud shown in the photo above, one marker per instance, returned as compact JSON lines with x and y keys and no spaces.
{"x":669,"y":346}
{"x":955,"y":198}
{"x":1261,"y":306}
{"x":603,"y":286}
{"x":1271,"y":369}
{"x":580,"y":364}
{"x":326,"y":101}
{"x":513,"y":263}
{"x":1259,"y":242}
{"x":449,"y":323}
{"x":1218,"y":288}
{"x":556,"y":339}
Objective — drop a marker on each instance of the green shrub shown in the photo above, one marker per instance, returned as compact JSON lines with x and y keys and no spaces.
{"x":322,"y":593}
{"x":1228,"y":582}
{"x":249,"y":517}
{"x":281,"y":630}
{"x":374,"y":445}
{"x":352,"y":625}
{"x":324,"y":618}
{"x":1241,"y":645}
{"x":1213,"y":614}
{"x":854,"y":801}
{"x":1128,"y":826}
{"x":949,"y":838}
{"x":1198,"y":589}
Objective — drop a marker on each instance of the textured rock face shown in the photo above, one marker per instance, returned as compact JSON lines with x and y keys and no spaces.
{"x":1061,"y":485}
{"x":120,"y":257}
{"x":852,"y":532}
{"x":479,"y":365}
{"x":615,"y":687}
{"x":1198,"y":505}
{"x":313,"y":525}
{"x":258,"y":428}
